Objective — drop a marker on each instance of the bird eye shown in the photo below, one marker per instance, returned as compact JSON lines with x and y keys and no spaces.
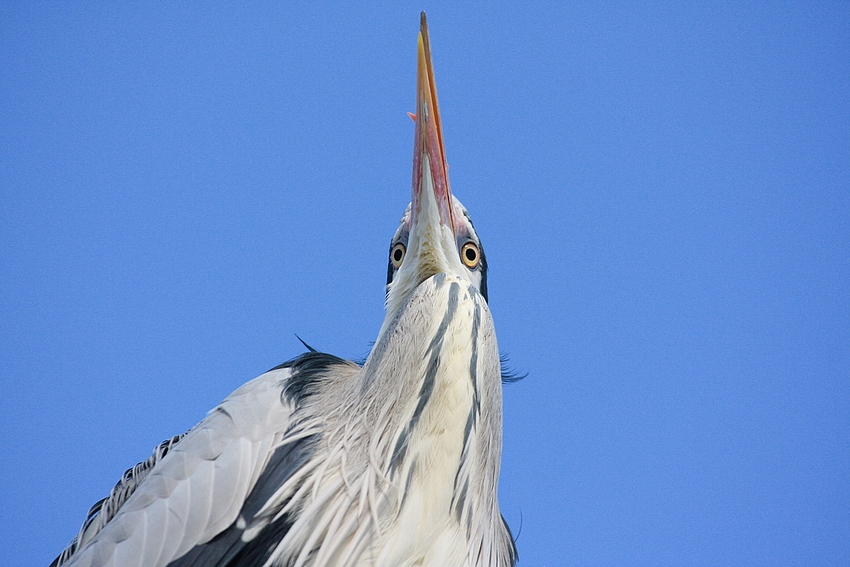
{"x":470,"y":255}
{"x":397,"y":255}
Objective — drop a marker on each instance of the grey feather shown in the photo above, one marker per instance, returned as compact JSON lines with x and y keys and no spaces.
{"x":105,"y":509}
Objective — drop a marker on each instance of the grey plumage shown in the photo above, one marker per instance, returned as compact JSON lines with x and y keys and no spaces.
{"x":105,"y":509}
{"x":322,"y":462}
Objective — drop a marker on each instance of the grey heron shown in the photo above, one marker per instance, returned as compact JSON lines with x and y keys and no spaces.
{"x":322,"y":462}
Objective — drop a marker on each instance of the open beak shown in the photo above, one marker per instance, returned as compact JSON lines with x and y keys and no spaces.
{"x":432,"y":197}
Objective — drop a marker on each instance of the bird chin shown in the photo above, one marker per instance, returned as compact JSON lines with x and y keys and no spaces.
{"x":400,"y":296}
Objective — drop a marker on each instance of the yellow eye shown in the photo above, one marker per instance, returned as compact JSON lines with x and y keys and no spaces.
{"x":397,"y":255}
{"x":470,"y":255}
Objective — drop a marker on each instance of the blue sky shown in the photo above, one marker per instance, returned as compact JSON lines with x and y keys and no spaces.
{"x":663,"y":192}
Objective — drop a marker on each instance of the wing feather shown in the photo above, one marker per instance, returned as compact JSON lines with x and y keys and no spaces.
{"x":129,"y":550}
{"x":193,"y":492}
{"x":227,"y":501}
{"x":153,"y":535}
{"x":222,"y":493}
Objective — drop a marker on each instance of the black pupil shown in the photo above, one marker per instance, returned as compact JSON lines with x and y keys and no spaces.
{"x":397,"y":255}
{"x":470,"y":254}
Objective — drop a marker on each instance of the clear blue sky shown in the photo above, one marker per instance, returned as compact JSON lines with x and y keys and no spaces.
{"x":663,"y":192}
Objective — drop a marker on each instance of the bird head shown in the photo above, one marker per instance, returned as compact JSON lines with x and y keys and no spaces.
{"x":436,"y":233}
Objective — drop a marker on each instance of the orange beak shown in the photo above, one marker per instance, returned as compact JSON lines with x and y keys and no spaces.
{"x":429,"y":154}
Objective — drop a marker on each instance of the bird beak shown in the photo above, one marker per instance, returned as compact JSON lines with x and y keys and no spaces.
{"x":431,"y":193}
{"x":431,"y":244}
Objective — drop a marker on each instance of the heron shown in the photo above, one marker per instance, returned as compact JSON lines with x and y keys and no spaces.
{"x":323,"y":462}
